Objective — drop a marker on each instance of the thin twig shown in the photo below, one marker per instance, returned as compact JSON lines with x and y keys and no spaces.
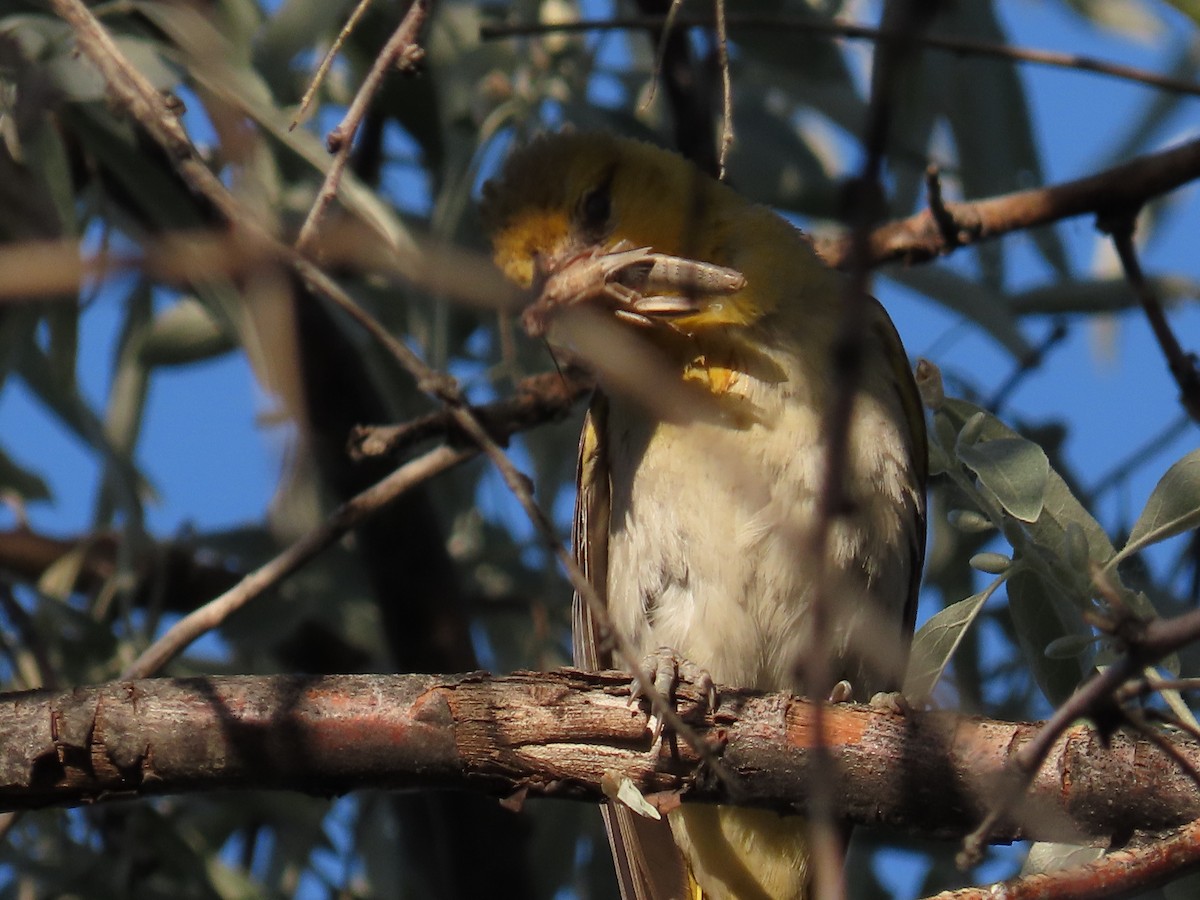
{"x":726,"y":88}
{"x":535,"y":400}
{"x":660,"y":51}
{"x":401,"y":50}
{"x":345,"y":517}
{"x":854,"y":31}
{"x":1182,"y":364}
{"x":937,"y":206}
{"x":323,"y":69}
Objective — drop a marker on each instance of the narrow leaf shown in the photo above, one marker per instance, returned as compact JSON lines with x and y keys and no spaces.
{"x":1173,"y":507}
{"x":937,"y":641}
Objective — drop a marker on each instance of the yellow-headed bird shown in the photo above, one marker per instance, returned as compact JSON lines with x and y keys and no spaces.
{"x":701,"y":463}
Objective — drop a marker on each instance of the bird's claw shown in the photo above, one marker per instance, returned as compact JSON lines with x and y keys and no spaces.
{"x":842,"y":692}
{"x":886,"y":701}
{"x":891,"y":701}
{"x":665,"y":670}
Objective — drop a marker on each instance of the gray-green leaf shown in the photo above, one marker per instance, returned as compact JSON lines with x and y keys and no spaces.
{"x":1015,"y":470}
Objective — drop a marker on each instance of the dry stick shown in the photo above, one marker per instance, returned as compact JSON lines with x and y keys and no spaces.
{"x":345,"y":517}
{"x":852,"y":30}
{"x":726,"y":87}
{"x":535,"y":400}
{"x":1182,"y":364}
{"x":401,"y":51}
{"x":323,"y":69}
{"x":665,"y":24}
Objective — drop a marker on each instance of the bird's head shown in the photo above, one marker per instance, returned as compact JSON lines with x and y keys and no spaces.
{"x":565,"y":195}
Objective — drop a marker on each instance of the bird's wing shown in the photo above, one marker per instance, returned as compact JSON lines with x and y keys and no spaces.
{"x":910,"y":402}
{"x":649,"y":865}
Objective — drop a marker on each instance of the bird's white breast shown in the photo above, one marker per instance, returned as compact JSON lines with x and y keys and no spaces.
{"x":710,"y":543}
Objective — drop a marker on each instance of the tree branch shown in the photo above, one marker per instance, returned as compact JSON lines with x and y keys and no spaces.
{"x":561,"y":734}
{"x":923,"y":236}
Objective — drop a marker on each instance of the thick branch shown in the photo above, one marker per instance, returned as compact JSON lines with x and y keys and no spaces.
{"x":558,"y":735}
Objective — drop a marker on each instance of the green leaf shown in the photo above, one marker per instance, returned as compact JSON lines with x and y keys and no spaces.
{"x":1173,"y":508}
{"x":1015,"y":470}
{"x":934,"y":645}
{"x":1041,"y":616}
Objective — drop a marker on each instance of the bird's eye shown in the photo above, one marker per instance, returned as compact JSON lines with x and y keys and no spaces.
{"x":596,"y":208}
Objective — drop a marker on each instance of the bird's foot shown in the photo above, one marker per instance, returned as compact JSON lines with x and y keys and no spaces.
{"x":892,"y":702}
{"x":664,"y":670}
{"x":885,"y":701}
{"x":843,"y":692}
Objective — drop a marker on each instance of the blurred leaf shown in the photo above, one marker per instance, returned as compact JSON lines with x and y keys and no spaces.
{"x":1100,"y":295}
{"x":58,"y":579}
{"x":184,"y":332}
{"x":16,"y":478}
{"x":771,"y":163}
{"x":1131,"y":20}
{"x":73,"y":411}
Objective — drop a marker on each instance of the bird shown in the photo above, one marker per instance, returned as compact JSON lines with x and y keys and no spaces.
{"x":702,"y":459}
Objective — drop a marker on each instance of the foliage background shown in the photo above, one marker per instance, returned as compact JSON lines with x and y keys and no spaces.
{"x":142,"y":424}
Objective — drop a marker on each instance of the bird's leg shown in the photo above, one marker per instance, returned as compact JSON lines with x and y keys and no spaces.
{"x":666,"y":670}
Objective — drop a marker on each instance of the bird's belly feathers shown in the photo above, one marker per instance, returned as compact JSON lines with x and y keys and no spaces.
{"x":709,"y":544}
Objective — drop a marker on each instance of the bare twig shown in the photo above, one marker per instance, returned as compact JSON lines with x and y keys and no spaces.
{"x":937,"y":206}
{"x":401,"y":50}
{"x":1182,"y":364}
{"x":535,"y":400}
{"x":726,"y":87}
{"x":345,"y":517}
{"x":323,"y":69}
{"x":852,"y":30}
